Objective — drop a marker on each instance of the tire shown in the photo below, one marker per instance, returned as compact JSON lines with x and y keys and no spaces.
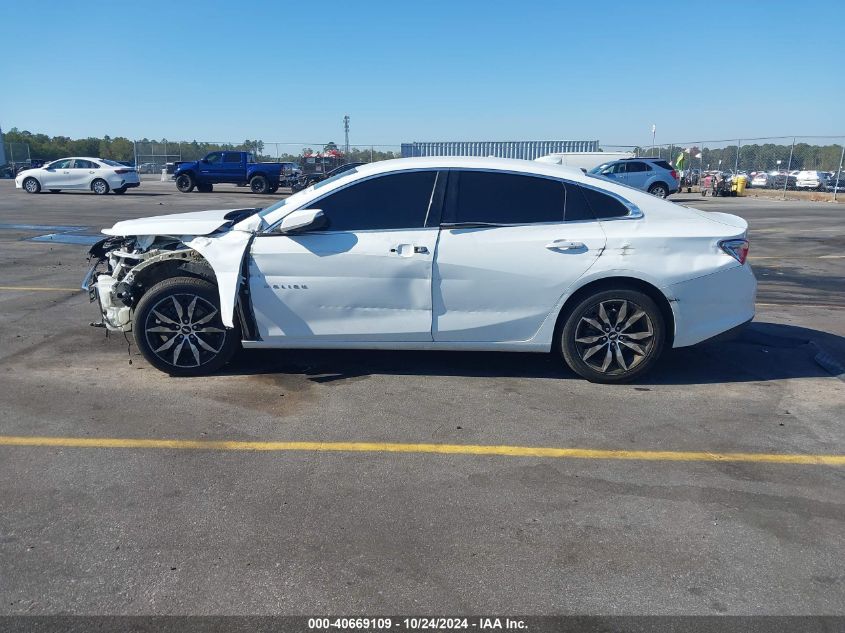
{"x":205,"y":188}
{"x":185,"y":183}
{"x":177,"y":348}
{"x":259,"y":184}
{"x":31,"y":185}
{"x":583,"y":344}
{"x":119,"y":191}
{"x":55,"y":190}
{"x":100,"y":187}
{"x":659,"y":189}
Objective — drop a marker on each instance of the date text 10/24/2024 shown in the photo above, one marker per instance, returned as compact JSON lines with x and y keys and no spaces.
{"x":416,"y":623}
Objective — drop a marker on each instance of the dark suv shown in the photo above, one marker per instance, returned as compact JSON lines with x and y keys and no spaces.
{"x":655,"y":175}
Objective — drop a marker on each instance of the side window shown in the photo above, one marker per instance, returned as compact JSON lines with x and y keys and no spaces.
{"x":604,"y":205}
{"x":61,"y":164}
{"x":83,"y":164}
{"x":231,"y":157}
{"x":577,"y":208}
{"x":250,"y":158}
{"x":214,"y":157}
{"x":394,"y":201}
{"x":613,"y":168}
{"x":500,"y":198}
{"x":637,"y":166}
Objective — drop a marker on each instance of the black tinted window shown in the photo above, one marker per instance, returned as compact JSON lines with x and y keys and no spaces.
{"x":396,"y":201}
{"x":500,"y":198}
{"x":231,"y":157}
{"x":637,"y":166}
{"x":663,"y":164}
{"x":576,"y":205}
{"x":604,"y":205}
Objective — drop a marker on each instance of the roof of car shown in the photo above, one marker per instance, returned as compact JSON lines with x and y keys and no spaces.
{"x":470,"y":162}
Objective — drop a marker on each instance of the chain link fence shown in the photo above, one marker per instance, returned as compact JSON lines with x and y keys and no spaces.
{"x":781,"y":163}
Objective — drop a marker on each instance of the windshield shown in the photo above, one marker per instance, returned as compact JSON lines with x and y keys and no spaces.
{"x":598,"y":170}
{"x":295,"y":198}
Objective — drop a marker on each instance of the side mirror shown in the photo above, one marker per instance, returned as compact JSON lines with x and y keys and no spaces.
{"x":302,"y":219}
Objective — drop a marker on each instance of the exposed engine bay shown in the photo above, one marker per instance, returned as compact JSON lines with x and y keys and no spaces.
{"x":123,"y":267}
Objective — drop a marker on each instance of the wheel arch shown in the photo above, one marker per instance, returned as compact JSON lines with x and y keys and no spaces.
{"x":613,"y":283}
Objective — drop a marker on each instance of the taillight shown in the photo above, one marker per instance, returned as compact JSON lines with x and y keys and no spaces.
{"x":738,"y":249}
{"x":123,"y":171}
{"x":674,"y":174}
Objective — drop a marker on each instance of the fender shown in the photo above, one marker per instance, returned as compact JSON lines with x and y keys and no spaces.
{"x":225,"y":254}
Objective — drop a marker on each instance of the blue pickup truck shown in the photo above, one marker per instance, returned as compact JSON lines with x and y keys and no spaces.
{"x":237,"y":168}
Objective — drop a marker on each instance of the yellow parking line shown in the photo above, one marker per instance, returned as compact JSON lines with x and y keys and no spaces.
{"x":448,"y":449}
{"x":38,"y":289}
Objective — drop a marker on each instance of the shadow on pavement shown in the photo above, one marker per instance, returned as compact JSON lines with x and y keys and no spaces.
{"x":763,"y":351}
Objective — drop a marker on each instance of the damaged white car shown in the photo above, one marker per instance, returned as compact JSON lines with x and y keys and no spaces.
{"x":431,"y":253}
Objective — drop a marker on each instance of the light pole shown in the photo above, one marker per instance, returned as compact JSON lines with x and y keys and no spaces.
{"x":653,"y":132}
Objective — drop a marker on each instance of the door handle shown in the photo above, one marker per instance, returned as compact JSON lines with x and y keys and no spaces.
{"x":405,"y":250}
{"x":564,"y":245}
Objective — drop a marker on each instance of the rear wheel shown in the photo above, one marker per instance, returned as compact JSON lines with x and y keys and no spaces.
{"x":178,"y":328}
{"x":185,"y":183}
{"x":259,"y":184}
{"x":31,"y":185}
{"x":659,"y":189}
{"x":205,"y":188}
{"x":100,"y":187}
{"x":613,"y":336}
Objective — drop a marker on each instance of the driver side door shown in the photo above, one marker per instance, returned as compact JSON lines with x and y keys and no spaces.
{"x":364,"y":276}
{"x":57,"y":175}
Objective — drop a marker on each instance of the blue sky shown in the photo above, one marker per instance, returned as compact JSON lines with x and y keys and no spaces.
{"x":281,"y":71}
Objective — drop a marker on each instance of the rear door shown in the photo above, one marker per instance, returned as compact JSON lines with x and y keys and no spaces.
{"x":510,"y":246}
{"x":637,"y":174}
{"x":82,"y":173}
{"x":232,"y":168}
{"x":365,"y":276}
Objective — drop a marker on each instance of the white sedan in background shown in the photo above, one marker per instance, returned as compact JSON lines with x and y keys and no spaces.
{"x":99,"y":175}
{"x":433,"y":254}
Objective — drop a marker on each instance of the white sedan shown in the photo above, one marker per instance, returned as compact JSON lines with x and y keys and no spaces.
{"x":99,"y":175}
{"x":432,"y":254}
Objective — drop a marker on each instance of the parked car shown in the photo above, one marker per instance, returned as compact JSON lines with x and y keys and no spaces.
{"x":811,"y":180}
{"x":654,"y":175}
{"x":99,"y":175}
{"x":760,"y":179}
{"x":779,"y":180}
{"x":836,"y":182}
{"x":431,"y":253}
{"x":237,"y":168}
{"x":306,"y":180}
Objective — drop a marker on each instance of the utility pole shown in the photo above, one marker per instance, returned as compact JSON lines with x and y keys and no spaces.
{"x":346,"y":133}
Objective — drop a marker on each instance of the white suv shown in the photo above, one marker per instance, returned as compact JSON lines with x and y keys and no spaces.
{"x":811,"y":180}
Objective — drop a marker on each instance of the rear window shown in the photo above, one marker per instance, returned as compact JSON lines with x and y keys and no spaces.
{"x":663,"y":164}
{"x":604,"y":205}
{"x":502,"y":198}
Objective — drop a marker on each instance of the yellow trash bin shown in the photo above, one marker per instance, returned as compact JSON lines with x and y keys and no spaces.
{"x":739,"y":183}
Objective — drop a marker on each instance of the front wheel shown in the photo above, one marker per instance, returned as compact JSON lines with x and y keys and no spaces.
{"x":178,"y":328}
{"x":613,"y":336}
{"x":31,"y":185}
{"x":185,"y":183}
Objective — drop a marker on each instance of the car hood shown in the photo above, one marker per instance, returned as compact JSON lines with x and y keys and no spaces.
{"x":194,"y":223}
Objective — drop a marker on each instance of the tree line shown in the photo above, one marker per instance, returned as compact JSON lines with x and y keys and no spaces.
{"x":753,"y":157}
{"x":44,"y":147}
